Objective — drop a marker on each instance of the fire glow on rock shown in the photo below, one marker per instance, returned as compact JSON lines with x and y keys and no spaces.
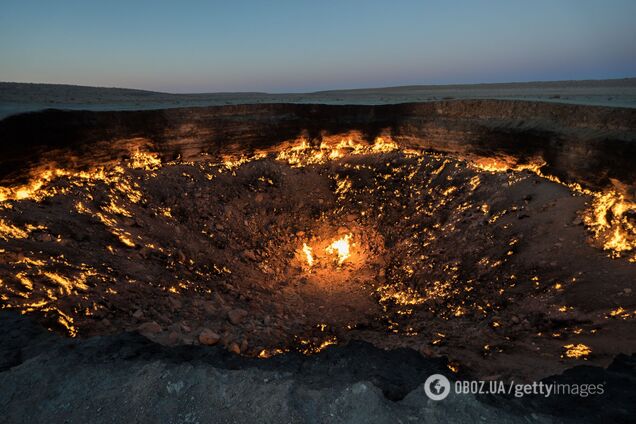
{"x":320,"y":241}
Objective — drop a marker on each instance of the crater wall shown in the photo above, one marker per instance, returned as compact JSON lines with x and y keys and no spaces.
{"x":595,"y":146}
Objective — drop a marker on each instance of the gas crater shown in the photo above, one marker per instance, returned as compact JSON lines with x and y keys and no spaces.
{"x":487,"y":260}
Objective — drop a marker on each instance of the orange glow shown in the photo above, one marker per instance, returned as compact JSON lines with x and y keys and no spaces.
{"x":308,"y":254}
{"x":607,"y":219}
{"x":341,"y":248}
{"x":577,"y":351}
{"x":145,"y":160}
{"x":302,"y":152}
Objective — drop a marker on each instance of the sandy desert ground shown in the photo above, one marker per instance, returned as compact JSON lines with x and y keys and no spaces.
{"x":17,"y":97}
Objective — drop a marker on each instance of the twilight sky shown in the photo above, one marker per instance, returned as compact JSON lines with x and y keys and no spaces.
{"x":286,"y":46}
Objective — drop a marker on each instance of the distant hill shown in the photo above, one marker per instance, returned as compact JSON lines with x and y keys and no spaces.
{"x":24,"y":97}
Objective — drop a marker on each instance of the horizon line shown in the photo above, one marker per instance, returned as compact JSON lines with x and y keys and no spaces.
{"x":327,"y":90}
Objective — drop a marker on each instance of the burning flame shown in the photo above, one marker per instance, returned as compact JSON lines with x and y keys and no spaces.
{"x":577,"y":351}
{"x":309,"y":254}
{"x":39,"y":186}
{"x":609,"y":221}
{"x":303,"y":152}
{"x":340,"y":247}
{"x":145,"y":160}
{"x":610,"y":218}
{"x":504,"y":164}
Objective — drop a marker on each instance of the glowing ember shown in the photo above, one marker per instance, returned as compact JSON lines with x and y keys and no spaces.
{"x":8,"y":231}
{"x":309,"y":254}
{"x":309,"y":347}
{"x":609,"y":221}
{"x":621,"y":313}
{"x":341,"y":248}
{"x":303,"y":152}
{"x":145,"y":160}
{"x":577,"y":351}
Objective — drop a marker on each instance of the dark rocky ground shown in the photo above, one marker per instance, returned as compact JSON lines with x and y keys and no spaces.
{"x":128,"y":378}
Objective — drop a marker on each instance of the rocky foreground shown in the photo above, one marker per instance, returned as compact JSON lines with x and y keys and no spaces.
{"x":127,"y":378}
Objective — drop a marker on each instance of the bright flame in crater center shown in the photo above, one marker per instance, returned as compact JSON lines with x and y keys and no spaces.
{"x":309,"y":254}
{"x":341,"y":248}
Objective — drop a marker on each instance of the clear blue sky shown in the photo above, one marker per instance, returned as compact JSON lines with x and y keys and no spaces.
{"x":278,"y":46}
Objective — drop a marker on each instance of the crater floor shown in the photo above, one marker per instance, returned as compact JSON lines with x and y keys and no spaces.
{"x":508,"y":273}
